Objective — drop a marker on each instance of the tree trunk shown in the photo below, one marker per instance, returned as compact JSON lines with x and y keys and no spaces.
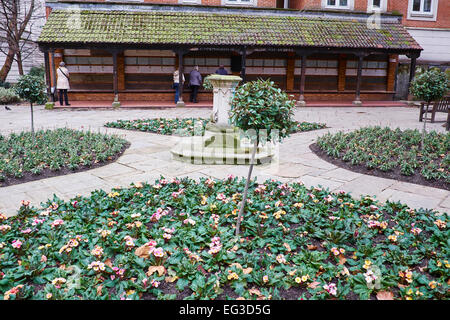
{"x":32,"y":124}
{"x":244,"y":197}
{"x":7,"y":65}
{"x":424,"y":127}
{"x":19,"y":62}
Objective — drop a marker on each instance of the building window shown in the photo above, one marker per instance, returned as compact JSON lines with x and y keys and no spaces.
{"x":190,"y":1}
{"x":338,"y":4}
{"x":377,"y":5}
{"x":422,"y":6}
{"x":239,"y":2}
{"x":422,"y":10}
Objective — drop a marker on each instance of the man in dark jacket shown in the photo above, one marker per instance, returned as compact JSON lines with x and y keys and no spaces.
{"x":222,"y":71}
{"x":195,"y":81}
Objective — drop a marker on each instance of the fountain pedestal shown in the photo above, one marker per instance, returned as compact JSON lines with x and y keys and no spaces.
{"x":222,"y":143}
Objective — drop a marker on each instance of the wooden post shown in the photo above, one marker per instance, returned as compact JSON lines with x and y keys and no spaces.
{"x":115,"y":74}
{"x":301,"y":101}
{"x":359,"y":80}
{"x":116,"y":102}
{"x":290,"y":71}
{"x":120,"y":71}
{"x":47,"y":76}
{"x":53,"y":71}
{"x":412,"y":71}
{"x":391,"y":72}
{"x":244,"y":56}
{"x":180,"y":102}
{"x":342,"y":70}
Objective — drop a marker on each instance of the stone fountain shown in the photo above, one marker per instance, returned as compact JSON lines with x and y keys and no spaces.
{"x":221,"y":143}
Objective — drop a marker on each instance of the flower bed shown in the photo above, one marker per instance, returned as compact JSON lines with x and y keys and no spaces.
{"x":175,"y":240}
{"x":187,"y":126}
{"x":54,"y":152}
{"x":394,"y":154}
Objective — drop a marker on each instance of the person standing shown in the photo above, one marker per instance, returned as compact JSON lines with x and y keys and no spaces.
{"x":62,"y":83}
{"x":222,"y":71}
{"x":195,"y":81}
{"x":176,"y":84}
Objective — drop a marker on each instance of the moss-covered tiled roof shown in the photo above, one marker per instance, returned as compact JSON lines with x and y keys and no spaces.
{"x":200,"y":28}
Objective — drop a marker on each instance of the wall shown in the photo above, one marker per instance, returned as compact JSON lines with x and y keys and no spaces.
{"x":36,"y":58}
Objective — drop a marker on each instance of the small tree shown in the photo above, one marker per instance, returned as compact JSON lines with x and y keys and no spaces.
{"x":429,"y":86}
{"x":32,"y":89}
{"x":256,"y":106}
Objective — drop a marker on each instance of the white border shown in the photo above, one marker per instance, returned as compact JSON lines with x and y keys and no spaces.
{"x":371,"y":8}
{"x":190,"y":1}
{"x":350,"y":6}
{"x":238,"y":3}
{"x":423,"y":16}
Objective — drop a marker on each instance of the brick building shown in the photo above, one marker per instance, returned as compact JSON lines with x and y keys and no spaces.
{"x":312,"y":49}
{"x":428,"y":21}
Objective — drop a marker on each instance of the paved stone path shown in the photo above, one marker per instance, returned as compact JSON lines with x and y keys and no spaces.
{"x":149,"y":156}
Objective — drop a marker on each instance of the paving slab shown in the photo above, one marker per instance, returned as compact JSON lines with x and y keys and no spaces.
{"x":367,"y":185}
{"x":149,"y":155}
{"x":341,"y":174}
{"x":311,"y":181}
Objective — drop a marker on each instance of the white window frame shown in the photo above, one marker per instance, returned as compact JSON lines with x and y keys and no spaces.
{"x":421,"y":15}
{"x":190,"y":1}
{"x":350,"y":5}
{"x":382,"y":8}
{"x":240,"y":3}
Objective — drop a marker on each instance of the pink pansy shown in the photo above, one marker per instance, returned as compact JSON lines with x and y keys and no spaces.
{"x":331,"y":289}
{"x":158,"y":252}
{"x":16,"y":244}
{"x":25,"y":203}
{"x":57,"y":223}
{"x":155,"y":283}
{"x":37,"y":221}
{"x":26,"y":231}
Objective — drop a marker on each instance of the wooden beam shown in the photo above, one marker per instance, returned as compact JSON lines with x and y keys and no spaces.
{"x":115,"y":74}
{"x":359,"y":80}
{"x":391,"y":72}
{"x":412,"y":71}
{"x":290,"y":72}
{"x":342,"y":72}
{"x":301,"y":100}
{"x":48,"y":80}
{"x":53,"y":71}
{"x":244,"y":57}
{"x":180,"y":53}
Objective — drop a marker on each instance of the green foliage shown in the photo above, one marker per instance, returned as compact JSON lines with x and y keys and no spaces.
{"x":260,"y":105}
{"x":430,"y":85}
{"x":190,"y":126}
{"x":5,"y":84}
{"x":296,"y":242}
{"x":8,"y":96}
{"x":37,"y":72}
{"x":207,"y":84}
{"x":32,"y":89}
{"x":388,"y":149}
{"x":54,"y":150}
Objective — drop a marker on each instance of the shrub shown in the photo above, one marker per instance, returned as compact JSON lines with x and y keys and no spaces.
{"x":430,"y":85}
{"x":5,"y":84}
{"x":32,"y":89}
{"x":256,"y":106}
{"x":37,"y":72}
{"x":8,"y":96}
{"x":260,"y":105}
